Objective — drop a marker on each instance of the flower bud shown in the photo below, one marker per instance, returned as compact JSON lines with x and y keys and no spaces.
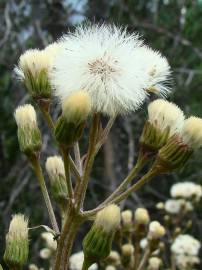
{"x":165,"y":120}
{"x":127,"y":251}
{"x":113,"y":258}
{"x":97,"y":243}
{"x":156,"y":230}
{"x":70,"y":125}
{"x":33,"y":267}
{"x":56,"y":173}
{"x":141,"y":216}
{"x":126,"y":217}
{"x":17,"y":244}
{"x":45,"y":253}
{"x":110,"y":267}
{"x":154,"y":263}
{"x":160,"y":205}
{"x":49,"y":240}
{"x":29,"y":135}
{"x":33,"y":70}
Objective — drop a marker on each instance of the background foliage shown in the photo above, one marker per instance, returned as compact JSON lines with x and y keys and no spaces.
{"x":173,"y":27}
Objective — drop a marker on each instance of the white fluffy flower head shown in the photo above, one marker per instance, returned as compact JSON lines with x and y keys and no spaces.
{"x":156,"y":66}
{"x":164,"y":114}
{"x":186,"y":190}
{"x":25,"y":115}
{"x":192,"y":132}
{"x":101,"y":59}
{"x":186,"y":244}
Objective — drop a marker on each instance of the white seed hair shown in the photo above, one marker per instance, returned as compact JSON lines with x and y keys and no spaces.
{"x":156,"y":66}
{"x":55,"y":166}
{"x":25,"y":115}
{"x":18,"y":227}
{"x":165,"y":114}
{"x":108,"y":218}
{"x":192,"y":132}
{"x":101,"y":60}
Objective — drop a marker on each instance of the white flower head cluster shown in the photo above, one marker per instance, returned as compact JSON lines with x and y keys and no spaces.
{"x":105,"y":61}
{"x":49,"y":241}
{"x":186,"y":250}
{"x":55,"y":166}
{"x":76,"y":262}
{"x":173,"y":206}
{"x":186,"y":190}
{"x":164,"y":114}
{"x":192,"y":132}
{"x":25,"y":116}
{"x":109,"y":218}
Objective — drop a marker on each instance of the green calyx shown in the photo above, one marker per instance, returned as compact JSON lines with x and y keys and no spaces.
{"x":97,"y":245}
{"x":39,"y":85}
{"x":59,"y":189}
{"x":67,"y":133}
{"x":173,"y":155}
{"x":152,"y":138}
{"x":16,"y":253}
{"x":29,"y":140}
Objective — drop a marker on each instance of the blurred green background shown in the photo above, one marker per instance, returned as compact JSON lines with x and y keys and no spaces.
{"x":173,"y":27}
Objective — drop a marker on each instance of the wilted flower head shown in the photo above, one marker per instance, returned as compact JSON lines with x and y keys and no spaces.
{"x":157,"y":67}
{"x":164,"y":114}
{"x":102,"y":60}
{"x":192,"y":132}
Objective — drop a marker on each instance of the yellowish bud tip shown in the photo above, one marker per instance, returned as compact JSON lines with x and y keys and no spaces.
{"x":127,"y":216}
{"x":156,"y":230}
{"x":154,"y":263}
{"x":142,"y":216}
{"x":109,"y":218}
{"x":164,"y":114}
{"x":127,"y":250}
{"x":25,"y":116}
{"x":18,"y":227}
{"x":55,"y":166}
{"x":77,"y":106}
{"x":192,"y":132}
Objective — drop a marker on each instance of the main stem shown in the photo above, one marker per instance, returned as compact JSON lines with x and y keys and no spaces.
{"x":38,"y":172}
{"x":66,"y":159}
{"x":89,"y":161}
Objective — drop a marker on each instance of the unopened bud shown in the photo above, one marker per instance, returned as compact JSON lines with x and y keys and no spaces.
{"x":70,"y":125}
{"x":17,"y":244}
{"x":156,"y":230}
{"x":154,"y":263}
{"x":56,"y":173}
{"x":127,"y":251}
{"x":29,"y":135}
{"x":142,"y":216}
{"x":113,"y":258}
{"x":97,"y":243}
{"x":126,"y":217}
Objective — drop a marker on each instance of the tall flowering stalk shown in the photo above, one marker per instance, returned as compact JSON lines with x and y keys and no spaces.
{"x":99,"y":70}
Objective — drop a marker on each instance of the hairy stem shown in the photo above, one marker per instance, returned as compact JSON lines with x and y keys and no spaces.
{"x":38,"y":172}
{"x":89,"y":161}
{"x":66,"y":159}
{"x":144,"y":259}
{"x":140,"y":163}
{"x":78,"y":157}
